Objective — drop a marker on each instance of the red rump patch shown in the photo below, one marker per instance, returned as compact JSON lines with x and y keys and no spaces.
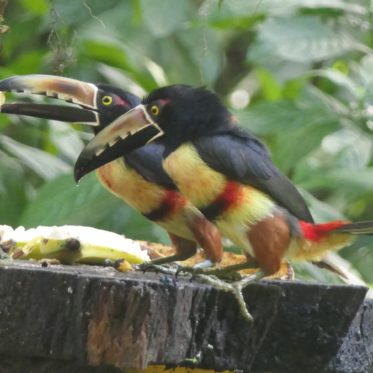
{"x":315,"y":232}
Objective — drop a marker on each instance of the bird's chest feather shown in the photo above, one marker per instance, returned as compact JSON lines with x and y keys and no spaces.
{"x":193,"y":176}
{"x":130,"y":186}
{"x":228,"y":202}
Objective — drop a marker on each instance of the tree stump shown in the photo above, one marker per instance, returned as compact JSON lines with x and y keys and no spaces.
{"x":94,"y":319}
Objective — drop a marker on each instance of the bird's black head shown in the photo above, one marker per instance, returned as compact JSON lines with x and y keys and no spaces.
{"x":111,"y":103}
{"x":184,"y":112}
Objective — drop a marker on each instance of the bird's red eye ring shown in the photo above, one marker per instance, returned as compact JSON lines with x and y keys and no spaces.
{"x":154,"y":110}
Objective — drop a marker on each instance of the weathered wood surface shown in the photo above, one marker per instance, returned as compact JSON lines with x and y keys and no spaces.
{"x":356,"y":352}
{"x":66,"y":318}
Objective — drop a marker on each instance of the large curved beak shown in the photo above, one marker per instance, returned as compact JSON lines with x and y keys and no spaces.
{"x":66,"y":89}
{"x":128,"y":132}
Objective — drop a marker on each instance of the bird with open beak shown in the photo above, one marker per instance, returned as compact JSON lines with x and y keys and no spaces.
{"x":138,"y":177}
{"x":228,"y":174}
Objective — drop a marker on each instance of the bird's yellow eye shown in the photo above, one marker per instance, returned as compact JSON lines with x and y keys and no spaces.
{"x":107,"y":100}
{"x":154,"y":110}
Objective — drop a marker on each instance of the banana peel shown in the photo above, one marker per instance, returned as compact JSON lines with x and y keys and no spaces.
{"x":71,"y":244}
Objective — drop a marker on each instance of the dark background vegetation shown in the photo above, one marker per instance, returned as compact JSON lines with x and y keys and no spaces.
{"x":299,"y":73}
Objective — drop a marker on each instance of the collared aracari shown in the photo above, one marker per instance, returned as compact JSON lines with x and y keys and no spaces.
{"x":137,"y":178}
{"x":228,"y":174}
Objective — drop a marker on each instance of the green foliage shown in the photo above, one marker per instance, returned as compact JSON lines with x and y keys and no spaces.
{"x":306,"y":66}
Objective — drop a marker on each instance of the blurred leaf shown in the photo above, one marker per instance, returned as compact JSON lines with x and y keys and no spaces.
{"x":28,"y":62}
{"x":39,"y":7}
{"x":237,"y":8}
{"x":13,"y":188}
{"x":343,"y":80}
{"x":66,"y":140}
{"x":285,"y":116}
{"x":270,"y":87}
{"x":202,"y":47}
{"x":119,"y":78}
{"x":310,"y":272}
{"x":295,"y":144}
{"x":42,"y":163}
{"x":114,"y":55}
{"x":292,"y":88}
{"x":360,"y":255}
{"x":107,"y":53}
{"x":162,"y":16}
{"x":270,"y":117}
{"x":321,"y":211}
{"x":348,"y":148}
{"x":61,"y":202}
{"x":78,"y":12}
{"x":364,"y":73}
{"x":232,"y":13}
{"x":356,"y":180}
{"x":300,"y":39}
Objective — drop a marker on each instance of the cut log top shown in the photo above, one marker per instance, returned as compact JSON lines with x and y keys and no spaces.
{"x":73,"y":317}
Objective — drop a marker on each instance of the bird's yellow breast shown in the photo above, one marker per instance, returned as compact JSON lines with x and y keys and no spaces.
{"x":194,"y":178}
{"x":130,"y":186}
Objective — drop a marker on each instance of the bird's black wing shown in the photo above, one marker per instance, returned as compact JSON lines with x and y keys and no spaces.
{"x":147,"y":161}
{"x":240,"y":156}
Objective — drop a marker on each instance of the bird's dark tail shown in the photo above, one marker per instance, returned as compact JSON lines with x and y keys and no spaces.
{"x":361,"y":227}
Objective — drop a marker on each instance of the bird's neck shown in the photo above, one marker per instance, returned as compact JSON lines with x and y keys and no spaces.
{"x":190,"y":133}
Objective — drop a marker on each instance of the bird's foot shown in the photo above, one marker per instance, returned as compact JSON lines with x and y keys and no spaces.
{"x":235,"y":288}
{"x":167,"y":269}
{"x":159,"y":264}
{"x":197,"y":269}
{"x":207,"y":263}
{"x":286,"y":272}
{"x":208,"y":268}
{"x":168,"y":265}
{"x":216,"y":272}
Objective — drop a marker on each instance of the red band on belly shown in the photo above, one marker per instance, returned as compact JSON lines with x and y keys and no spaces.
{"x":172,"y":202}
{"x":230,"y":196}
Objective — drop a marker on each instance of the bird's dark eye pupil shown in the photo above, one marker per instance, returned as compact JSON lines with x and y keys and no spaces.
{"x":155,"y":110}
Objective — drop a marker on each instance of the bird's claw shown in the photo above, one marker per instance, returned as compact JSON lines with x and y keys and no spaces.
{"x":208,"y":268}
{"x":234,"y":288}
{"x":158,"y":268}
